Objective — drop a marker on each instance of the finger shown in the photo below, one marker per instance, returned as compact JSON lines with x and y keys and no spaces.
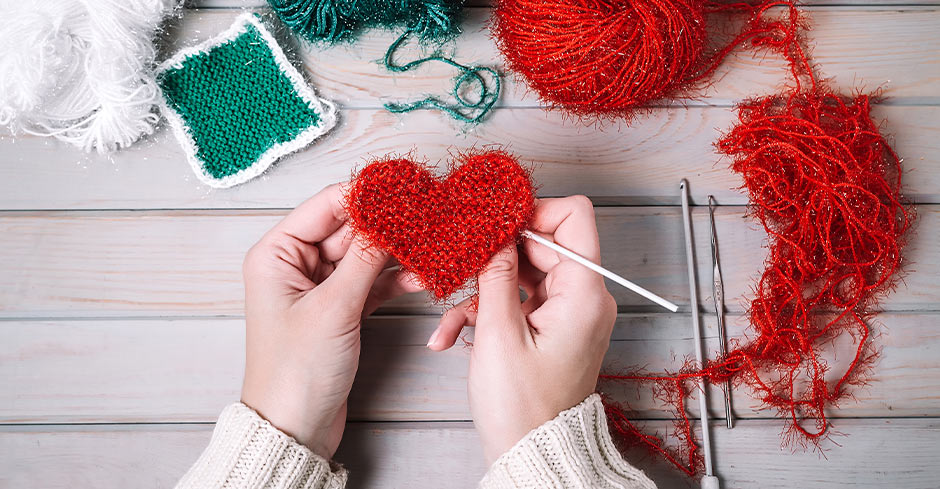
{"x":390,"y":284}
{"x":530,"y":278}
{"x":280,"y":264}
{"x":452,"y":323}
{"x":356,"y":273}
{"x":499,"y":312}
{"x":323,"y":272}
{"x":333,"y":247}
{"x":570,"y":223}
{"x":316,"y":218}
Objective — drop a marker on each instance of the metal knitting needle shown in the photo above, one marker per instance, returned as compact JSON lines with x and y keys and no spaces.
{"x":718,"y":294}
{"x":601,"y":270}
{"x":709,"y":481}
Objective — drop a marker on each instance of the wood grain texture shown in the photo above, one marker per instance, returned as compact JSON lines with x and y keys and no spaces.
{"x":173,"y":263}
{"x":636,"y":165}
{"x":187,"y":370}
{"x":874,"y":453}
{"x":858,"y":48}
{"x":116,"y":315}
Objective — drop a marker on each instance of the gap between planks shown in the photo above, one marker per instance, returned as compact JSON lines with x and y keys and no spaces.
{"x":187,"y":263}
{"x":56,"y":371}
{"x":875,"y":453}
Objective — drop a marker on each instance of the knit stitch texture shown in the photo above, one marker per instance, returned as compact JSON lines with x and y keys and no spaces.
{"x":574,"y":450}
{"x":236,"y":104}
{"x":246,"y":451}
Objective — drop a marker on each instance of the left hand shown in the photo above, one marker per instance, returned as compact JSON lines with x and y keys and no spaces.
{"x":308,"y":285}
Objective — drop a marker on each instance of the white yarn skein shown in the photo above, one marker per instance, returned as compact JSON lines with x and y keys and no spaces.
{"x":80,"y":70}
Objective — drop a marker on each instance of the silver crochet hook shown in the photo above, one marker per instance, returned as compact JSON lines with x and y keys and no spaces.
{"x":709,"y":480}
{"x":718,"y":293}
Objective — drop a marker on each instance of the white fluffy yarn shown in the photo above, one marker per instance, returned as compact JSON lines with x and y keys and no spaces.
{"x":80,"y":70}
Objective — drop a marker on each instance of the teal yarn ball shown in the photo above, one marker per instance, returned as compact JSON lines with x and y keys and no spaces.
{"x":336,"y":20}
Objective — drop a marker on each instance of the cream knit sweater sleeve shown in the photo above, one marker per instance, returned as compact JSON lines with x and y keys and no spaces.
{"x":246,"y":452}
{"x":574,"y":450}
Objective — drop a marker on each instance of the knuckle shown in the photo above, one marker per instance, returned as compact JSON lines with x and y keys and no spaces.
{"x":501,"y":267}
{"x":335,"y":189}
{"x":253,"y":259}
{"x":582,"y":204}
{"x":608,"y":303}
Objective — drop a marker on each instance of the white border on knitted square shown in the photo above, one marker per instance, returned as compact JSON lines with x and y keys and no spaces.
{"x":325,"y":108}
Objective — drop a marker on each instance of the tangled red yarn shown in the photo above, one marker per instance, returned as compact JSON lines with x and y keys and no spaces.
{"x":826,"y":187}
{"x":613,"y":57}
{"x":444,"y":230}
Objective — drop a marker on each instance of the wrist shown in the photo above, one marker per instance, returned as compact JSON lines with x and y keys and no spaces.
{"x":519,"y":419}
{"x":299,"y":420}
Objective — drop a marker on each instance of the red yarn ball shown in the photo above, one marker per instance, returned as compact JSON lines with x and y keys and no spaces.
{"x":603,"y":57}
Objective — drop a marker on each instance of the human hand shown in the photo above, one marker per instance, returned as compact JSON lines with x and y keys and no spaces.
{"x":308,"y":285}
{"x":531,"y":360}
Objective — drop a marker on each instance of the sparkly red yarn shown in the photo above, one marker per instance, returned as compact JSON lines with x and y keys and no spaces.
{"x":826,"y":187}
{"x":613,"y":57}
{"x":444,"y":230}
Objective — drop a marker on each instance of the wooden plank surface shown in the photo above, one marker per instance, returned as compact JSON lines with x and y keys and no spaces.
{"x":874,"y":453}
{"x":859,"y":47}
{"x":637,"y":165}
{"x":186,"y":370}
{"x":172,"y":263}
{"x":110,"y":314}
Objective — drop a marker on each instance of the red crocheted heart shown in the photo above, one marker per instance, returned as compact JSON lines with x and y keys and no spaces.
{"x":442,"y":230}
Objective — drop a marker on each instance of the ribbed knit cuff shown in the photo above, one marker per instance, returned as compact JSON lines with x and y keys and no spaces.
{"x":574,"y":450}
{"x":246,"y":451}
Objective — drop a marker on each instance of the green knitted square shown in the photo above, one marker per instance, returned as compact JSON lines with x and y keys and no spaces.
{"x":236,"y":104}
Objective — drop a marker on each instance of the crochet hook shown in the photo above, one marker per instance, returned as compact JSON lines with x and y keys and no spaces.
{"x":718,"y":295}
{"x":601,"y":270}
{"x":709,"y":481}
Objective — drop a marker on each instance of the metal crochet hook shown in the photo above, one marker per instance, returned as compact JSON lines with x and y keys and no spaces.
{"x":718,"y":293}
{"x":709,"y":481}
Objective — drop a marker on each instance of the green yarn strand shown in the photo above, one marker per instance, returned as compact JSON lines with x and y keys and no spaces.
{"x":336,"y":20}
{"x":428,"y":20}
{"x":468,"y":74}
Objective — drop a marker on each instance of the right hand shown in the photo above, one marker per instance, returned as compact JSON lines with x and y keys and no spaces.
{"x":531,"y":360}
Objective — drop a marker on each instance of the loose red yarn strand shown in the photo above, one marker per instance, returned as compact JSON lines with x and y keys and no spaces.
{"x":826,"y":187}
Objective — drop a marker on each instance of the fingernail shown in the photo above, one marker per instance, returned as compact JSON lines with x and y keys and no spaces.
{"x":434,"y":336}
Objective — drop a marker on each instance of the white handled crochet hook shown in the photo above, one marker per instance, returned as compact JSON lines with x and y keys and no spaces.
{"x":601,"y":270}
{"x":709,"y":481}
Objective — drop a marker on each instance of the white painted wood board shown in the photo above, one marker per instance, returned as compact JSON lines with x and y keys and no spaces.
{"x":186,"y":370}
{"x":133,"y":314}
{"x":173,"y":263}
{"x":857,"y":47}
{"x":634,"y":165}
{"x":875,"y":453}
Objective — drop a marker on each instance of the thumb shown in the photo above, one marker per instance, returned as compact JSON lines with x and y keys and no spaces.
{"x":356,"y":272}
{"x":500,"y":308}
